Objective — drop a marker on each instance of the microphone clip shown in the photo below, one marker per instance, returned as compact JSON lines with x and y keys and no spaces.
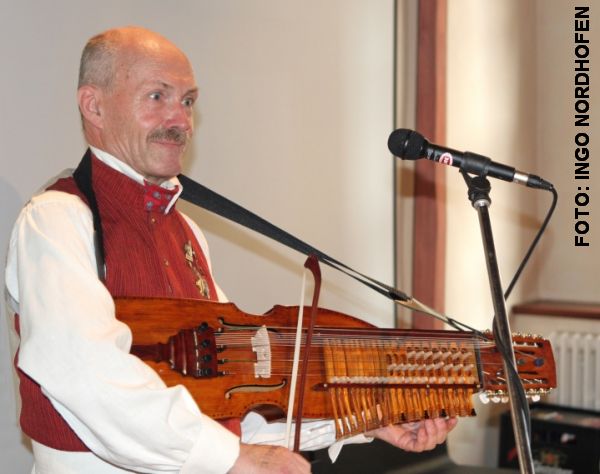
{"x":479,"y":189}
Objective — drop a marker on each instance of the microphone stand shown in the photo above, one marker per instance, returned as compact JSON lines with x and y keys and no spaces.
{"x":479,"y":189}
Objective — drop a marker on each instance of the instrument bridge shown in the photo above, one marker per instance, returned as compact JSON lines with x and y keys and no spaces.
{"x":262,"y":347}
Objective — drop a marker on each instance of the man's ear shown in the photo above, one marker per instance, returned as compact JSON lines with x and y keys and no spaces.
{"x":89,"y":98}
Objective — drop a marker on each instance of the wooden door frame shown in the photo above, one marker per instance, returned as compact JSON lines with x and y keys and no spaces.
{"x":429,"y":232}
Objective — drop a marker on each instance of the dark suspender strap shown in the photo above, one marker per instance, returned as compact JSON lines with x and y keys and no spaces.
{"x":201,"y":196}
{"x":83,"y":179}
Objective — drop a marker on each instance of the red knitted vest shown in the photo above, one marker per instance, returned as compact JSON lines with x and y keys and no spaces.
{"x":145,"y":254}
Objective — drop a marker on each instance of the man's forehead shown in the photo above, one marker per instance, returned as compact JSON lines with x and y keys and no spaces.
{"x":189,"y":87}
{"x":154,"y":68}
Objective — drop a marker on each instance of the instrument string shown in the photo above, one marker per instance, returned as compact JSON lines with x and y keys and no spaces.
{"x":286,"y":365}
{"x":391,"y":343}
{"x":288,"y":339}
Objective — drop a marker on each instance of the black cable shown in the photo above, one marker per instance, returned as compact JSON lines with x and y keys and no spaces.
{"x":533,"y":243}
{"x":505,"y":347}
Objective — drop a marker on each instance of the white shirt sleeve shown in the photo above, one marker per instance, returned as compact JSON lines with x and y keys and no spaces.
{"x":75,"y":348}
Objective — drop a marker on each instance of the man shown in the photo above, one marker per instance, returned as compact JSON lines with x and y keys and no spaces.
{"x":88,"y":405}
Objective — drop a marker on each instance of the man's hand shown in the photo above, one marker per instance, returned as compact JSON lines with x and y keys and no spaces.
{"x":263,"y":459}
{"x":419,"y":436}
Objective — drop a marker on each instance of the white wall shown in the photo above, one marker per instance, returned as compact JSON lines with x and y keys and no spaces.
{"x":510,"y":97}
{"x":294,"y":112}
{"x":295,"y":116}
{"x":490,"y":111}
{"x":567,"y":272}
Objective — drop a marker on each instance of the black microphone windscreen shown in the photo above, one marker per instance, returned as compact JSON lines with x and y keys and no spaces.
{"x":407,"y":144}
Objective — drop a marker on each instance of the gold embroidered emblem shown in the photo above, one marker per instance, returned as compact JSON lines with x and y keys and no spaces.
{"x":189,"y":252}
{"x":191,"y":257}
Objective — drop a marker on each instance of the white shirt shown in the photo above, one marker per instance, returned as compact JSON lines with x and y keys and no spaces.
{"x":75,"y":348}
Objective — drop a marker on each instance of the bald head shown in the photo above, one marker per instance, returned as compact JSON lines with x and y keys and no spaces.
{"x":136,"y":95}
{"x":108,"y":53}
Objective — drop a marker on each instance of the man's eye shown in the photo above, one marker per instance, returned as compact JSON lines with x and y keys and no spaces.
{"x":155,"y":96}
{"x":188,"y":102}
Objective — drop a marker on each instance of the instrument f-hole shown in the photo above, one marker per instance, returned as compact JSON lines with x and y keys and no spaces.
{"x":254,"y":388}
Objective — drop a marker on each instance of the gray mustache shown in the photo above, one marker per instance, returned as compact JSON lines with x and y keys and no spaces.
{"x":173,"y":134}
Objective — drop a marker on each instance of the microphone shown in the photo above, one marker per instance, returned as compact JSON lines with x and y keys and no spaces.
{"x":410,"y":145}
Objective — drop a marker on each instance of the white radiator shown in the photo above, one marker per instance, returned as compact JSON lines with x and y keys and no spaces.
{"x":577,"y":358}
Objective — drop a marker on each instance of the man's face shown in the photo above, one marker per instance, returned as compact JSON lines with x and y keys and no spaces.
{"x":147,"y":120}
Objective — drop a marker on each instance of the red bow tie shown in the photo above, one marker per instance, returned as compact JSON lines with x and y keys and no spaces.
{"x":157,"y":198}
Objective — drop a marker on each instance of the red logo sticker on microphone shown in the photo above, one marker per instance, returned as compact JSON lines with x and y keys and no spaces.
{"x":446,"y":159}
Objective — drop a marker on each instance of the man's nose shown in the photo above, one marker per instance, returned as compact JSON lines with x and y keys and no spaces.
{"x":180,"y":116}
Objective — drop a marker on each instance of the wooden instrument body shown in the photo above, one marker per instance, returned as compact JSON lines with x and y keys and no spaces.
{"x":363,"y":386}
{"x":155,"y":320}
